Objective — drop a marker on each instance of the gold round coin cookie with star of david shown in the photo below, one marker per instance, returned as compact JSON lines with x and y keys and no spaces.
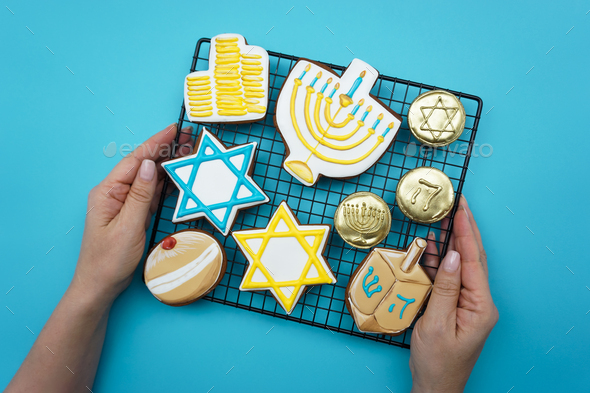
{"x":425,"y":195}
{"x":436,"y":118}
{"x":363,"y":219}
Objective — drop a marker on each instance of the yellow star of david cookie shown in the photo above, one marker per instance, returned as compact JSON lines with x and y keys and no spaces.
{"x":285,"y":257}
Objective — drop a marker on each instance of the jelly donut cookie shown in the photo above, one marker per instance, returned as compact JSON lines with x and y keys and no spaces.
{"x":388,"y":289}
{"x":235,"y":87}
{"x":331,"y":124}
{"x":284,"y":257}
{"x":184,"y":267}
{"x":214,"y":182}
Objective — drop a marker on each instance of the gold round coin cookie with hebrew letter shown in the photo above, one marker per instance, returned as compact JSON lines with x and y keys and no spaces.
{"x":425,"y":195}
{"x":436,"y":118}
{"x":363,"y":219}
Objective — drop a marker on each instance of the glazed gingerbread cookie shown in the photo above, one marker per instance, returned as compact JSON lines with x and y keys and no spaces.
{"x":285,"y":257}
{"x":235,"y":87}
{"x":332,"y":125}
{"x":214,"y":182}
{"x":184,"y":267}
{"x":388,"y":289}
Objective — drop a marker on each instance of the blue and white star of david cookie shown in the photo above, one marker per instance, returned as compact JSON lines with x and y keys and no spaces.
{"x":214,"y":182}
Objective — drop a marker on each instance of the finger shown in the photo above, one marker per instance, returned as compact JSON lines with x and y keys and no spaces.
{"x":463,"y":202}
{"x":137,"y":204}
{"x":473,"y":274}
{"x":126,"y":170}
{"x":444,"y":230}
{"x":442,"y":307}
{"x":157,"y":194}
{"x":431,"y":256}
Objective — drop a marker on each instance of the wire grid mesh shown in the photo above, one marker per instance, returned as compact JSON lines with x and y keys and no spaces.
{"x":323,"y":306}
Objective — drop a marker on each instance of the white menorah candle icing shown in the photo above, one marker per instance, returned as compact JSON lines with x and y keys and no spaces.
{"x":332,"y":125}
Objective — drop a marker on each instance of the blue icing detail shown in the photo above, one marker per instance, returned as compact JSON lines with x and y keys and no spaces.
{"x":356,"y":108}
{"x":355,"y":86}
{"x":374,"y":281}
{"x":199,"y":158}
{"x":408,"y":301}
{"x":391,"y":307}
{"x":376,"y":123}
{"x":365,"y":115}
{"x":302,"y":74}
{"x":386,"y":131}
{"x":324,"y":88}
{"x":332,"y":93}
{"x":314,"y":81}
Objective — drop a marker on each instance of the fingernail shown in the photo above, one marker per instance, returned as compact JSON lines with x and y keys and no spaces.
{"x":188,"y":129}
{"x":431,"y":235}
{"x":147,"y":170}
{"x":451,"y":262}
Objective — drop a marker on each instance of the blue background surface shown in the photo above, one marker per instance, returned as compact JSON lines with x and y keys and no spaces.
{"x":529,"y":196}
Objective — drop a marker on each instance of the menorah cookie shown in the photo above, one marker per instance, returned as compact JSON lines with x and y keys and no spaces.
{"x":235,"y":87}
{"x":184,"y":267}
{"x":332,"y":126}
{"x":363,"y":219}
{"x":214,"y":182}
{"x":285,"y":257}
{"x":388,"y":289}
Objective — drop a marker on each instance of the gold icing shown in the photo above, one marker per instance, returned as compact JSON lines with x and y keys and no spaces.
{"x":363,"y":219}
{"x":425,"y":195}
{"x":436,"y":118}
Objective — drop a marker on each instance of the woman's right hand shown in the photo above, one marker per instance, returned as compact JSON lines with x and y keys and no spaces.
{"x":448,"y":339}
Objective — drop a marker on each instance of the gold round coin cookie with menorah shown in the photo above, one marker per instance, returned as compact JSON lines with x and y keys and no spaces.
{"x":436,"y":118}
{"x":363,"y":219}
{"x":425,"y":195}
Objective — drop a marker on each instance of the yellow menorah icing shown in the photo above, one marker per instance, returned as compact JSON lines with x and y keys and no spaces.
{"x":314,"y":150}
{"x":333,"y":141}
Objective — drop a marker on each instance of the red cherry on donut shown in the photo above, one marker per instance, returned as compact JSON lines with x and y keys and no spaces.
{"x":168,"y":243}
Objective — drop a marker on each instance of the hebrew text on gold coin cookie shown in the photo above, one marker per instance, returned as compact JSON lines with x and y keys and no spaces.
{"x":363,"y":219}
{"x":184,"y":267}
{"x":436,"y":118}
{"x":285,"y":257}
{"x":235,"y":87}
{"x":388,"y":289}
{"x":425,"y":195}
{"x":331,"y":124}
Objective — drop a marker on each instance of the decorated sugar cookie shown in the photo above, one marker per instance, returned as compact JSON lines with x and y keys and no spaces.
{"x":436,"y":118}
{"x":184,"y":267}
{"x":388,"y":289}
{"x":363,"y":219}
{"x":284,"y":257}
{"x":425,"y":194}
{"x":235,"y":87}
{"x":332,"y":125}
{"x":214,"y":182}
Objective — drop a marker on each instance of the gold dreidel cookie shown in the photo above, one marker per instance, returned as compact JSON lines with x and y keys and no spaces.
{"x":184,"y":267}
{"x":436,"y":118}
{"x":388,"y":289}
{"x":425,"y":195}
{"x":363,"y":219}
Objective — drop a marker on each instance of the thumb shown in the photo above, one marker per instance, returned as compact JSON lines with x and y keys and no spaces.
{"x":141,"y":193}
{"x":442,"y":306}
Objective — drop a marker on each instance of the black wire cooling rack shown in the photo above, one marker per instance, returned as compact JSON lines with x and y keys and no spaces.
{"x":323,"y":306}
